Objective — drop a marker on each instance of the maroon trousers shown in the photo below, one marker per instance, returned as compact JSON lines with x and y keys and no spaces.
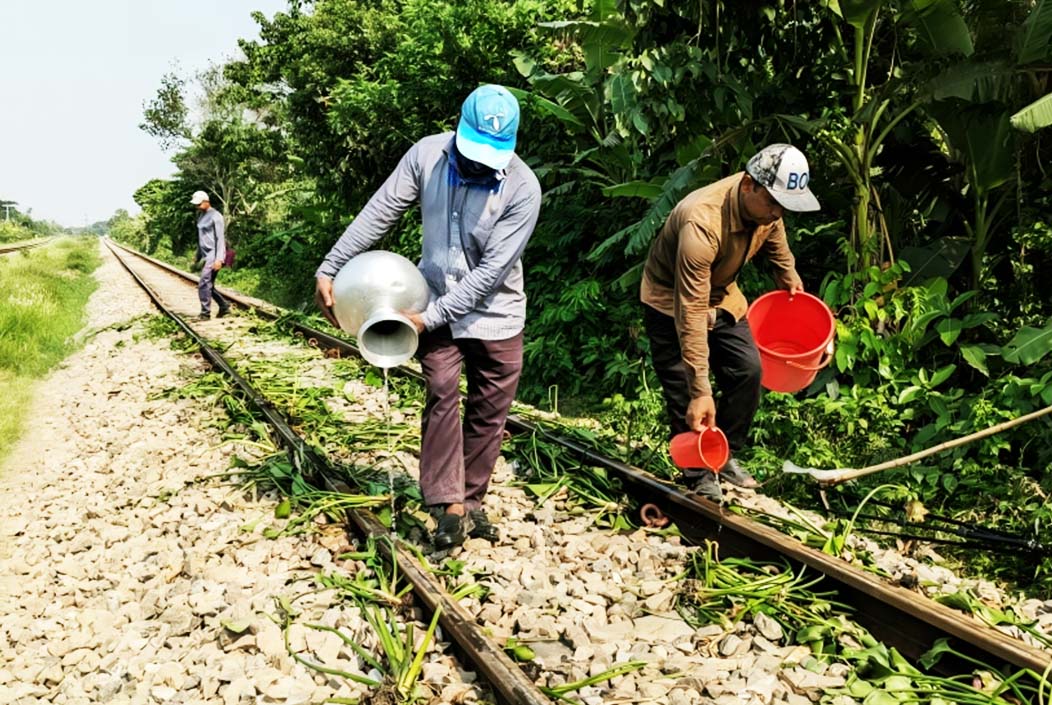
{"x":457,"y":459}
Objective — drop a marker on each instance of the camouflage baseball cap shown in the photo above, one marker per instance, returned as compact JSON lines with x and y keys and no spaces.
{"x":782,"y":169}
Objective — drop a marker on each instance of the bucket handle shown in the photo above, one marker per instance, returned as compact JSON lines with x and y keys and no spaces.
{"x":827,"y":358}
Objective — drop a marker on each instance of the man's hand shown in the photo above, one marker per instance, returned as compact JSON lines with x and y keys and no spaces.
{"x":216,"y":266}
{"x":416,"y":319}
{"x":323,"y":298}
{"x":794,"y":285}
{"x":701,"y":413}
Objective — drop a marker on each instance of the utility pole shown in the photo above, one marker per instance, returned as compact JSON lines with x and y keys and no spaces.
{"x":8,"y":205}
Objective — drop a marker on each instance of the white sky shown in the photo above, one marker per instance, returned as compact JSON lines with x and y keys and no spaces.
{"x":73,"y":78}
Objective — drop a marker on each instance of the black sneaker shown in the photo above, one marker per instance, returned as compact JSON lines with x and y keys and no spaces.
{"x":708,"y":486}
{"x":452,"y":530}
{"x":223,"y":312}
{"x":483,"y":528}
{"x":204,"y":316}
{"x":736,"y":475}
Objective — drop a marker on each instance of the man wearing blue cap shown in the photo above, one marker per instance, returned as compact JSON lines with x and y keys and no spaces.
{"x":479,"y":203}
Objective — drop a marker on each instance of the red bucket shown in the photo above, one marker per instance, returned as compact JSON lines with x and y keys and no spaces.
{"x":708,"y":449}
{"x":795,"y":338}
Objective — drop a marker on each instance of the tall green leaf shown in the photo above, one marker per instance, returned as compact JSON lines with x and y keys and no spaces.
{"x":636,"y":237}
{"x":983,"y":134}
{"x":1034,"y":116}
{"x":601,"y":9}
{"x":1037,"y":33}
{"x":601,"y":42}
{"x":548,"y":106}
{"x":635,"y":189}
{"x":858,"y":12}
{"x":940,"y":26}
{"x":622,"y":94}
{"x":936,"y":259}
{"x":975,"y":82}
{"x":1029,"y":345}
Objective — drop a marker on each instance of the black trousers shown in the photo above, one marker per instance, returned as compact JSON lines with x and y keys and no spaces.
{"x":734,"y":361}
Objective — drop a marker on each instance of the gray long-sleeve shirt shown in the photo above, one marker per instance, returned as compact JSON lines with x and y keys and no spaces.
{"x":479,"y":293}
{"x":211,"y":241}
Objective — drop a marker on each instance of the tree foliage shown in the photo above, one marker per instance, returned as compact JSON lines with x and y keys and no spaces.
{"x":923,"y":127}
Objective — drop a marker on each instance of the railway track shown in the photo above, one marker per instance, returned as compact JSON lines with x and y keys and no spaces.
{"x":506,"y":678}
{"x":895,"y":615}
{"x":19,"y":246}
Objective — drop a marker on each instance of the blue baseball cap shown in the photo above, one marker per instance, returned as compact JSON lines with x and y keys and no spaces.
{"x":489,"y":120}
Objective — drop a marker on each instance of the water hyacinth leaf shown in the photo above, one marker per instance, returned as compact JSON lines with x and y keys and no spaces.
{"x":898,"y":683}
{"x":858,"y":688}
{"x":518,"y":651}
{"x":235,"y":627}
{"x":874,"y":660}
{"x":935,"y":653}
{"x":812,"y":633}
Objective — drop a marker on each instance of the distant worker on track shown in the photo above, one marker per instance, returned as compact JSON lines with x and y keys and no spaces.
{"x":479,"y":203}
{"x":694,"y":312}
{"x":211,"y":247}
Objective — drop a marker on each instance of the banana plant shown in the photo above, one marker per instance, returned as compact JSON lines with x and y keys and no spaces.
{"x":588,"y":103}
{"x":942,"y":30}
{"x":971,"y":106}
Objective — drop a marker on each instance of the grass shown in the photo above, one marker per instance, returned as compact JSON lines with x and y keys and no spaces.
{"x":41,"y":308}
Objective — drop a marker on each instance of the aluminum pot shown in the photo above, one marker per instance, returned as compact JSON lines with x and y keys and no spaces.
{"x":369,"y":294}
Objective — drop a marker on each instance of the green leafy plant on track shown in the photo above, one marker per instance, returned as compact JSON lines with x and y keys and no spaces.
{"x":381,"y":595}
{"x":277,"y":472}
{"x":548,"y":469}
{"x":730,"y":590}
{"x":560,"y":692}
{"x":967,"y":602}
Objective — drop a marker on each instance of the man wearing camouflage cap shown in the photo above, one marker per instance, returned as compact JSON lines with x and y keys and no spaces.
{"x":694,"y":312}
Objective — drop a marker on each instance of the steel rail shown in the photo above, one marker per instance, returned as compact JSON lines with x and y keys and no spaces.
{"x":18,"y":247}
{"x":506,"y":678}
{"x":896,"y":615}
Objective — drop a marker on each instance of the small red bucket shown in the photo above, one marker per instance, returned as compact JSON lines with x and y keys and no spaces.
{"x":708,"y":449}
{"x":795,"y":338}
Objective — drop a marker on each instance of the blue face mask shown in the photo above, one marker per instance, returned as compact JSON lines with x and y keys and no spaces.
{"x":469,"y":169}
{"x":464,"y":172}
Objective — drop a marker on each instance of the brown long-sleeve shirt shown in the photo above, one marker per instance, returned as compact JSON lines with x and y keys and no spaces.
{"x":693,"y":266}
